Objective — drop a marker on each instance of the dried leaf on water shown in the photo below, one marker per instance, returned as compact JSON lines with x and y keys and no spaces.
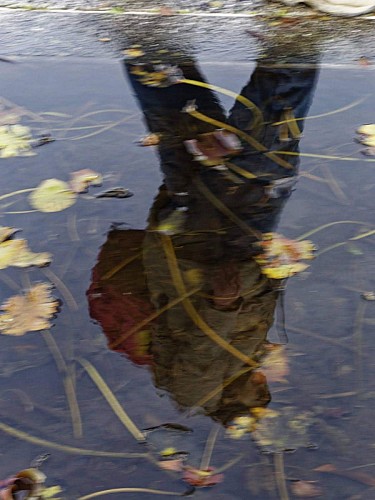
{"x":6,"y":232}
{"x":361,"y":477}
{"x":281,"y":256}
{"x":16,"y":253}
{"x":149,"y":140}
{"x":31,"y":311}
{"x":275,"y":363}
{"x":82,"y":179}
{"x":306,"y":489}
{"x":52,"y":195}
{"x":201,"y":478}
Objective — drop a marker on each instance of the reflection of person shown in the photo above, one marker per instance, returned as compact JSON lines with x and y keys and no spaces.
{"x":224,"y":186}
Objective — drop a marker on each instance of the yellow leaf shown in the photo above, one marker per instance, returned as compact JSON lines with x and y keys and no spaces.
{"x":28,"y":312}
{"x":16,"y":253}
{"x":367,"y":129}
{"x":52,"y":195}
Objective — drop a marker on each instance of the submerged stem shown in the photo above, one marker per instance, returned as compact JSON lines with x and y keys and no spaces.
{"x":278,"y":461}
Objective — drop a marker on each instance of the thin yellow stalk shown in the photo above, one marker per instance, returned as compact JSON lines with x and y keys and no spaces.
{"x":322,"y":157}
{"x":150,"y":318}
{"x":111,"y":400}
{"x":278,"y":460}
{"x":220,"y":387}
{"x":258,"y":117}
{"x":24,"y":436}
{"x":209,"y":448}
{"x":67,"y":381}
{"x":246,"y":137}
{"x":326,"y":226}
{"x":63,"y":289}
{"x":129,"y":490}
{"x":14,"y":193}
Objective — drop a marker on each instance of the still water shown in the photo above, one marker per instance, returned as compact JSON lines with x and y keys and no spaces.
{"x":162,"y":300}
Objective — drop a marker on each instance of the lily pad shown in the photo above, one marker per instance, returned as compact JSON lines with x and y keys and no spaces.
{"x":52,"y":195}
{"x":28,"y":312}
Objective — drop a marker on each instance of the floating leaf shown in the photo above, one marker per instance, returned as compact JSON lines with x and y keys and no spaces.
{"x":16,"y":253}
{"x":150,"y":140}
{"x":6,"y":232}
{"x":28,"y":312}
{"x":366,"y":129}
{"x":52,"y":195}
{"x":133,"y":51}
{"x":82,"y":179}
{"x":15,"y":140}
{"x":281,"y":256}
{"x":306,"y":489}
{"x":368,"y":296}
{"x":275,"y":363}
{"x":201,"y":478}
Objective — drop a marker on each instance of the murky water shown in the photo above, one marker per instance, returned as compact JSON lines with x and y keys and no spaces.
{"x":161,"y":293}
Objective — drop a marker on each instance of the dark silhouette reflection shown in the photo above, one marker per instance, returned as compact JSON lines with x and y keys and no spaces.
{"x":159,"y":293}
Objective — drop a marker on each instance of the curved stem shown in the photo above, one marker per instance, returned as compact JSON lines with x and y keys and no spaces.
{"x":20,"y":191}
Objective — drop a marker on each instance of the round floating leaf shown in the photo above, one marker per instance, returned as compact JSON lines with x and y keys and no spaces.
{"x":52,"y":195}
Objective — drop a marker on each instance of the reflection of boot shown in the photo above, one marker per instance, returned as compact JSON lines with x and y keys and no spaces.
{"x":174,"y":223}
{"x":338,"y":7}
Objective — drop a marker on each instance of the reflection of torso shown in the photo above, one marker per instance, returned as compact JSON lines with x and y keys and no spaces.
{"x":236,"y":301}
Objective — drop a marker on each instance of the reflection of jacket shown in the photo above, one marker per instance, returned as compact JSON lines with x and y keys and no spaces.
{"x":236,"y":301}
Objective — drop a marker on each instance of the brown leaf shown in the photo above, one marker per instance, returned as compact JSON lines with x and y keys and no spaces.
{"x":82,"y":179}
{"x":361,"y":477}
{"x":306,"y":489}
{"x":28,"y":312}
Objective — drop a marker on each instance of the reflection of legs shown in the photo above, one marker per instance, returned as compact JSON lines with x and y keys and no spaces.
{"x":161,"y":104}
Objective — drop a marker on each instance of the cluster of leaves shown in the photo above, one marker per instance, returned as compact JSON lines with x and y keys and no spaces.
{"x":367,"y":138}
{"x":280,"y":257}
{"x":274,"y":431}
{"x":15,"y":140}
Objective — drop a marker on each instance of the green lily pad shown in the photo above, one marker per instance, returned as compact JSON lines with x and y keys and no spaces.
{"x":52,"y":195}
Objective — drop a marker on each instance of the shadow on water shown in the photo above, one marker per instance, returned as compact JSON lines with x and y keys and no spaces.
{"x":224,"y":363}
